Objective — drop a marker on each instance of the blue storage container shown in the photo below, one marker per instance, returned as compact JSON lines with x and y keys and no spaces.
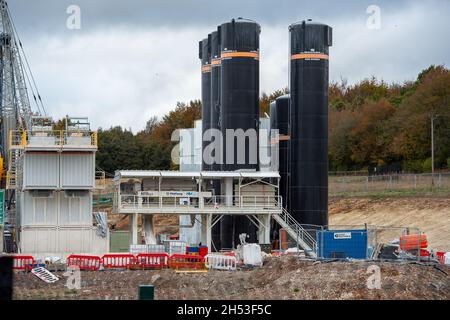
{"x":342,"y":244}
{"x":193,"y":249}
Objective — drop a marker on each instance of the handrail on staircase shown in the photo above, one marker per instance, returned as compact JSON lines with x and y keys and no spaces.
{"x":299,"y":230}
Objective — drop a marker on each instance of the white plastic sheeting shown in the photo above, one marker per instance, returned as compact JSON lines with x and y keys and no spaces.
{"x":252,"y":255}
{"x":190,"y":235}
{"x":102,"y":224}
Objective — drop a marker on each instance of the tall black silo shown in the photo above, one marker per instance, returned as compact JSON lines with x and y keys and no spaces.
{"x":309,"y":42}
{"x":279,"y":119}
{"x":239,"y":108}
{"x":215,"y":116}
{"x":205,"y":56}
{"x":240,"y":85}
{"x":216,"y":66}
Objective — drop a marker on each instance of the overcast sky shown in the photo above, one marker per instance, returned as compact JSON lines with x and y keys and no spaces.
{"x":135,"y":59}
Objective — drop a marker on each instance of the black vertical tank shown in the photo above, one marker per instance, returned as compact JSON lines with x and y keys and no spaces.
{"x":215,"y":86}
{"x":239,"y":107}
{"x":240,"y":84}
{"x":279,"y":119}
{"x":215,"y":116}
{"x":205,"y":56}
{"x":309,"y":42}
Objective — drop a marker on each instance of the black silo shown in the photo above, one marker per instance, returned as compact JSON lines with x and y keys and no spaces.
{"x":205,"y":56}
{"x":240,"y":85}
{"x":215,"y":116}
{"x":239,"y":108}
{"x":215,"y":86}
{"x":309,"y":78}
{"x":279,"y":119}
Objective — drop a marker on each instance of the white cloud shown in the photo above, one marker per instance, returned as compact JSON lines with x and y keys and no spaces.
{"x":119,"y":76}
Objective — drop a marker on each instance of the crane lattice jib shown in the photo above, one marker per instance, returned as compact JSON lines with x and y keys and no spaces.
{"x":15,"y":104}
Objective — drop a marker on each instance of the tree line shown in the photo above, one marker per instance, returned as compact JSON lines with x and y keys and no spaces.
{"x":371,"y":124}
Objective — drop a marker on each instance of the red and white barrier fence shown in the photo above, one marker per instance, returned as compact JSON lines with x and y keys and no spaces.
{"x":84,"y":262}
{"x":152,"y":260}
{"x":23,"y":262}
{"x":127,"y":261}
{"x":118,"y":261}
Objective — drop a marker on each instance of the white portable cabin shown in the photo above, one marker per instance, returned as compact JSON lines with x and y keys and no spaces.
{"x":56,"y":178}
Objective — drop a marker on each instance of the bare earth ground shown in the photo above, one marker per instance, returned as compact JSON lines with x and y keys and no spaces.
{"x":431,"y":215}
{"x":280,"y":278}
{"x":287,"y":277}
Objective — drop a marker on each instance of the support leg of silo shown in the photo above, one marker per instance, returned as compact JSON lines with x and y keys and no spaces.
{"x":134,"y":228}
{"x":206,"y":230}
{"x":264,"y":229}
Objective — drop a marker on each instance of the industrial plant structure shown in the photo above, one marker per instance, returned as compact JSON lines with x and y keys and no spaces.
{"x":308,"y":122}
{"x":300,"y":118}
{"x":51,"y":173}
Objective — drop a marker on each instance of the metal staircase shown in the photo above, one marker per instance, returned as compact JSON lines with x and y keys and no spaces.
{"x":11,"y":176}
{"x":10,"y":217}
{"x":297,"y":232}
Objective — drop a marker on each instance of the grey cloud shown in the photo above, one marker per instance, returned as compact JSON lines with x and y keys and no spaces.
{"x":135,"y":59}
{"x":50,"y":15}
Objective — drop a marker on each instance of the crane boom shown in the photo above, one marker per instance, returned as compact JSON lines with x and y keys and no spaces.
{"x":15,"y":104}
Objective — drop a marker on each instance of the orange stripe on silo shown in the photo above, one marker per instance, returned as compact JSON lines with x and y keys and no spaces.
{"x":206,"y":68}
{"x":254,"y":55}
{"x":216,"y":62}
{"x":309,"y":56}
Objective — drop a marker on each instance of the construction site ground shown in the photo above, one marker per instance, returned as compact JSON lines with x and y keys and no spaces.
{"x":287,"y":277}
{"x":430,"y":214}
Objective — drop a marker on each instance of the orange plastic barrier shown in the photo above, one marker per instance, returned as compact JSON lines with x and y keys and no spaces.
{"x":23,"y":262}
{"x":413,"y":242}
{"x":184,"y":261}
{"x":118,"y":261}
{"x":84,"y":262}
{"x":152,"y":260}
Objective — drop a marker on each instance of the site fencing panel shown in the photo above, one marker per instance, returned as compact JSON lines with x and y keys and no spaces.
{"x":382,"y":243}
{"x":360,"y":185}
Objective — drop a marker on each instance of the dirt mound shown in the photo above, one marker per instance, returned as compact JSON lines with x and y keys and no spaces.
{"x":430,"y":215}
{"x":280,"y":278}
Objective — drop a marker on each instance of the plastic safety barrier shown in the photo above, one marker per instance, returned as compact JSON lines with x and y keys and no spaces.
{"x":23,"y":262}
{"x":118,"y":261}
{"x":184,"y":261}
{"x":441,"y":257}
{"x":84,"y":262}
{"x":44,"y":275}
{"x":413,"y":242}
{"x":220,"y":262}
{"x":152,"y":260}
